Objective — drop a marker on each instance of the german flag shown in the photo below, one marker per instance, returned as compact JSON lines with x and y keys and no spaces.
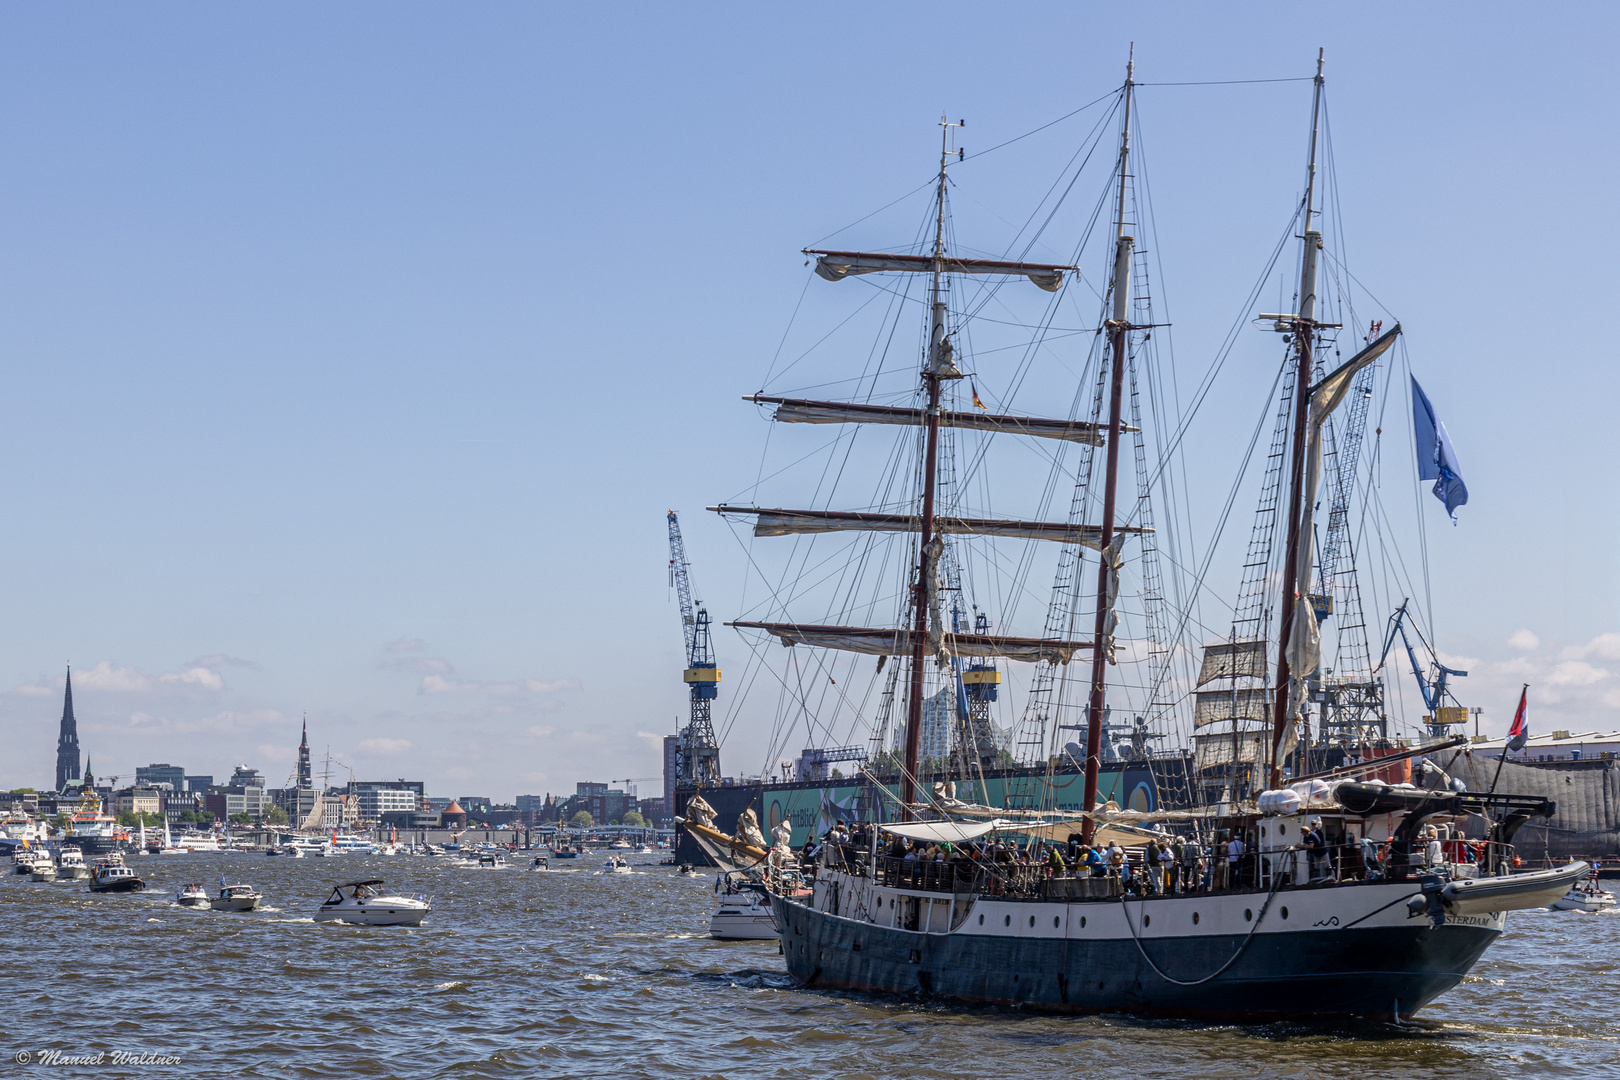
{"x":977,"y":404}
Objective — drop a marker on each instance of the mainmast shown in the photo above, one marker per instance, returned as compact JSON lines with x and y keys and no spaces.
{"x":1296,"y":577}
{"x":938,"y":368}
{"x":1107,"y":563}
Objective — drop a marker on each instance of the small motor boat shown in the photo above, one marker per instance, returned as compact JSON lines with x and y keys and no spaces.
{"x":70,"y":865}
{"x":540,"y":863}
{"x":1510,"y":892}
{"x":617,"y":865}
{"x":1587,"y":897}
{"x":491,"y":860}
{"x":364,"y":903}
{"x":191,"y":896}
{"x":111,"y":875}
{"x":236,"y":898}
{"x":44,"y":870}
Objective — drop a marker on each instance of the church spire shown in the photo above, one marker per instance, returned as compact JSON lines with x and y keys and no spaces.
{"x":67,"y":742}
{"x":305,"y":776}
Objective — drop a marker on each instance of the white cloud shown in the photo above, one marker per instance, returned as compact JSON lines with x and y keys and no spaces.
{"x":541,"y":732}
{"x":1575,"y":687}
{"x":36,"y":690}
{"x":104,"y":676}
{"x":385,"y":746}
{"x":406,"y":645}
{"x":197,"y":676}
{"x":1524,"y":640}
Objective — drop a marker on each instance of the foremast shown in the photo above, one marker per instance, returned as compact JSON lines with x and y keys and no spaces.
{"x":938,"y":368}
{"x":1108,"y":562}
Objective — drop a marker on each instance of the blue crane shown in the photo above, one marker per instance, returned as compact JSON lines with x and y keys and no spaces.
{"x":1433,"y":688}
{"x":699,"y":754}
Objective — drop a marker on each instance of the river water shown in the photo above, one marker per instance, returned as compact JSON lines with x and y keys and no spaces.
{"x":581,"y":973}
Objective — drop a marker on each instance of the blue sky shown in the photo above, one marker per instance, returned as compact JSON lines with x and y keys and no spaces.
{"x":353,"y":354}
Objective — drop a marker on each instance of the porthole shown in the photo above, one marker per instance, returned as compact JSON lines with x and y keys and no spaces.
{"x":1032,"y":920}
{"x":1006,"y":921}
{"x":981,"y":920}
{"x":1083,"y":926}
{"x":1282,"y":830}
{"x":1055,"y":920}
{"x":1147,"y":920}
{"x":1285,"y":913}
{"x":1248,"y":914}
{"x":1195,"y":918}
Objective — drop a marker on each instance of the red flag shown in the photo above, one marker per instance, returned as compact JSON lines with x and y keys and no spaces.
{"x":1518,"y":733}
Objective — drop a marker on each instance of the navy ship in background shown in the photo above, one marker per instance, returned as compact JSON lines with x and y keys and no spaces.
{"x":1349,"y":891}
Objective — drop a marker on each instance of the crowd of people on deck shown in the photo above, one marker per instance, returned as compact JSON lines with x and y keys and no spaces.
{"x":1163,"y":865}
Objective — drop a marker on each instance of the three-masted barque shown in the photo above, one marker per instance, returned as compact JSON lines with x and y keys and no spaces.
{"x":1348,"y":897}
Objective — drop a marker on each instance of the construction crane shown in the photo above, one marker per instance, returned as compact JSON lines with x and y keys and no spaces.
{"x":1440,"y":717}
{"x":698,"y":759}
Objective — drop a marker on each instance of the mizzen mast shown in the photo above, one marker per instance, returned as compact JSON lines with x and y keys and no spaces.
{"x":1108,"y":563}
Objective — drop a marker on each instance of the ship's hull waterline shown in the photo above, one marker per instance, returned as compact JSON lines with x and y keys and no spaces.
{"x":1335,"y":955}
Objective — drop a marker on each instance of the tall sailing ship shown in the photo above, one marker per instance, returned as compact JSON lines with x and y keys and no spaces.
{"x":1402,"y":887}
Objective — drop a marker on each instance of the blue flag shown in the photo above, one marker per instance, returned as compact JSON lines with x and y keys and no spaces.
{"x":1437,"y":461}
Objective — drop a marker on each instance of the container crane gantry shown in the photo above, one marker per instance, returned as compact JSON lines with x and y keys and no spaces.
{"x":699,"y":754}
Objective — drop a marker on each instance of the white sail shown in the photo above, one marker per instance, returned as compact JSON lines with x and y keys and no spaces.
{"x":837,"y":265}
{"x":881,"y":641}
{"x":804,"y":411}
{"x":1236,"y":659}
{"x":779,"y":522}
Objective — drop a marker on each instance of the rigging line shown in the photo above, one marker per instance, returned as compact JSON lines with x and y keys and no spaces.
{"x":1230,"y":82}
{"x":1208,"y":382}
{"x":824,"y":337}
{"x":1231,"y":500}
{"x":921,"y":187}
{"x":789,"y":327}
{"x":1043,"y":127}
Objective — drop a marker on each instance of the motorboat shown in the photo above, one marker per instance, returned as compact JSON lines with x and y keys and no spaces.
{"x":70,"y":865}
{"x":236,"y":898}
{"x":111,"y":875}
{"x":617,"y":865}
{"x":744,"y":913}
{"x":619,"y":845}
{"x":191,"y":896}
{"x":44,"y":870}
{"x":563,"y":851}
{"x":365,"y":903}
{"x":1586,"y":896}
{"x":1508,"y":892}
{"x":492,"y":860}
{"x":23,"y":861}
{"x":540,"y":862}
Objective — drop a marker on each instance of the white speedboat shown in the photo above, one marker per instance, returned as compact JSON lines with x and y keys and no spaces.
{"x":23,"y":861}
{"x":236,"y":898}
{"x":540,"y":862}
{"x":111,"y":875}
{"x":364,"y":903}
{"x":492,"y":860}
{"x":44,"y":870}
{"x":1586,"y":896}
{"x":70,"y":865}
{"x":619,"y":845}
{"x":616,"y":865}
{"x":191,"y":896}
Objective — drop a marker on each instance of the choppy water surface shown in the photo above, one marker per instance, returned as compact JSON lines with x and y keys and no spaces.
{"x":581,"y":973}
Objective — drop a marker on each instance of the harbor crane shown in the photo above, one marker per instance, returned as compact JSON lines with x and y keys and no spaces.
{"x":1433,"y":688}
{"x":698,"y":759}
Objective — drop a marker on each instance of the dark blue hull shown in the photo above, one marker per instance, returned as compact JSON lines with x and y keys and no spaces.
{"x":1380,"y":972}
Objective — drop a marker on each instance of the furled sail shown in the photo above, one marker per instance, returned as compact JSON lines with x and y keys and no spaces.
{"x":802,"y":411}
{"x":878,"y":641}
{"x":1214,"y":706}
{"x":787,"y":522}
{"x":1236,"y":659}
{"x":837,"y":265}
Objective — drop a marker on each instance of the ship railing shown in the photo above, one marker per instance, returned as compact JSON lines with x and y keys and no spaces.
{"x":955,"y":876}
